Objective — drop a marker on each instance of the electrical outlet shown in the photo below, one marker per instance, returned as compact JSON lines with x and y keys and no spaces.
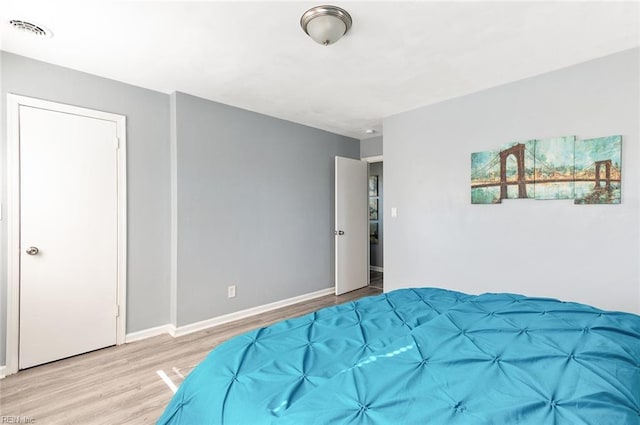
{"x":231,"y":291}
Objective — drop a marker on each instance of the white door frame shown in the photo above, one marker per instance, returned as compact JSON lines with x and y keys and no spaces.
{"x":377,"y":158}
{"x":13,"y":216}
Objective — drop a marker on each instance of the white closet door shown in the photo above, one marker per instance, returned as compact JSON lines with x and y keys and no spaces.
{"x":68,"y":235}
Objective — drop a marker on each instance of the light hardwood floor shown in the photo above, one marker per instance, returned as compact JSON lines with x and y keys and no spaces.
{"x":120,"y":385}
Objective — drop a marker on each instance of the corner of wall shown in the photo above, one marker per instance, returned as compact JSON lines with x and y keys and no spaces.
{"x":173,"y":158}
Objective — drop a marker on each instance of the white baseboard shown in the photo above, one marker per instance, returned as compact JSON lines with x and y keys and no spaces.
{"x":215,"y":321}
{"x":2,"y":371}
{"x":148,"y":333}
{"x":376,"y":268}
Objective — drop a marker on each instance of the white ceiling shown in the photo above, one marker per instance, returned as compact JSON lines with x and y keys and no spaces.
{"x":397,"y":56}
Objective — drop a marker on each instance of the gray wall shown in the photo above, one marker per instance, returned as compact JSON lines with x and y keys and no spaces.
{"x":371,"y":147}
{"x":226,"y":195}
{"x":254,"y":207}
{"x":376,"y":251}
{"x":148,"y":186}
{"x":586,"y":253}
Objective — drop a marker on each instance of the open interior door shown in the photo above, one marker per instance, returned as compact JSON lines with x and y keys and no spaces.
{"x":351,"y":232}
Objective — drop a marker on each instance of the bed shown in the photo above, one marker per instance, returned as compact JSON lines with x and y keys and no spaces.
{"x":424,"y":356}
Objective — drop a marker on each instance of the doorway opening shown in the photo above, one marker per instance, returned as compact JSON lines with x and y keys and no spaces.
{"x":376,"y":222}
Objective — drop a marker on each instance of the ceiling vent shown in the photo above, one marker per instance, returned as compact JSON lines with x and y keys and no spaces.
{"x":37,"y":30}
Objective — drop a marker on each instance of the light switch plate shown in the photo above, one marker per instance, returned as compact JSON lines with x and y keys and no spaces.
{"x":394,"y":212}
{"x":231,"y":291}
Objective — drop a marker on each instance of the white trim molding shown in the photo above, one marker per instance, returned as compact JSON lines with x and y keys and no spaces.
{"x":13,"y":217}
{"x":242,"y":314}
{"x":370,"y":159}
{"x":13,"y":235}
{"x":2,"y":371}
{"x":376,"y":268}
{"x":149,"y":333}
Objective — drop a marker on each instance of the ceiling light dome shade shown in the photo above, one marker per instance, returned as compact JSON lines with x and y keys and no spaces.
{"x":326,"y":24}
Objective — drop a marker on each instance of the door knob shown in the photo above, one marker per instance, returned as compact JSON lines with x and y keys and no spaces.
{"x":32,"y":250}
{"x":339,"y":232}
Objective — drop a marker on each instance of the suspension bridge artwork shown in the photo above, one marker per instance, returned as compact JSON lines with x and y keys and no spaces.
{"x":555,"y":169}
{"x":503,"y":174}
{"x":588,"y":171}
{"x":598,"y":170}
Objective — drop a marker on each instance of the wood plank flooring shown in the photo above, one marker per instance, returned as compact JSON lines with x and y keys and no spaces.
{"x":120,"y":385}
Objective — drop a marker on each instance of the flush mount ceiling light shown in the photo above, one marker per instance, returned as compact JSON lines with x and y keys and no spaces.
{"x":325,"y":24}
{"x":29,"y":27}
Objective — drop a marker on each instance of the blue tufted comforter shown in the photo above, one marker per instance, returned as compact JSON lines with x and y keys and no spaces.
{"x":424,"y":356}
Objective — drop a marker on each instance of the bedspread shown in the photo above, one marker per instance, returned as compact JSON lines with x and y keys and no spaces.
{"x":424,"y":356}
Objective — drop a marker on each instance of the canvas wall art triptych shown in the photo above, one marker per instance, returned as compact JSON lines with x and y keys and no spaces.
{"x":587,"y":171}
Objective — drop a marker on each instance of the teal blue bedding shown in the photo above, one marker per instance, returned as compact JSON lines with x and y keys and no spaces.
{"x":424,"y":356}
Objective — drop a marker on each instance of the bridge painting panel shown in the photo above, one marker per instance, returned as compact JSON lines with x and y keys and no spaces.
{"x":503,"y":174}
{"x":598,"y":165}
{"x":589,"y":171}
{"x":555,"y":171}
